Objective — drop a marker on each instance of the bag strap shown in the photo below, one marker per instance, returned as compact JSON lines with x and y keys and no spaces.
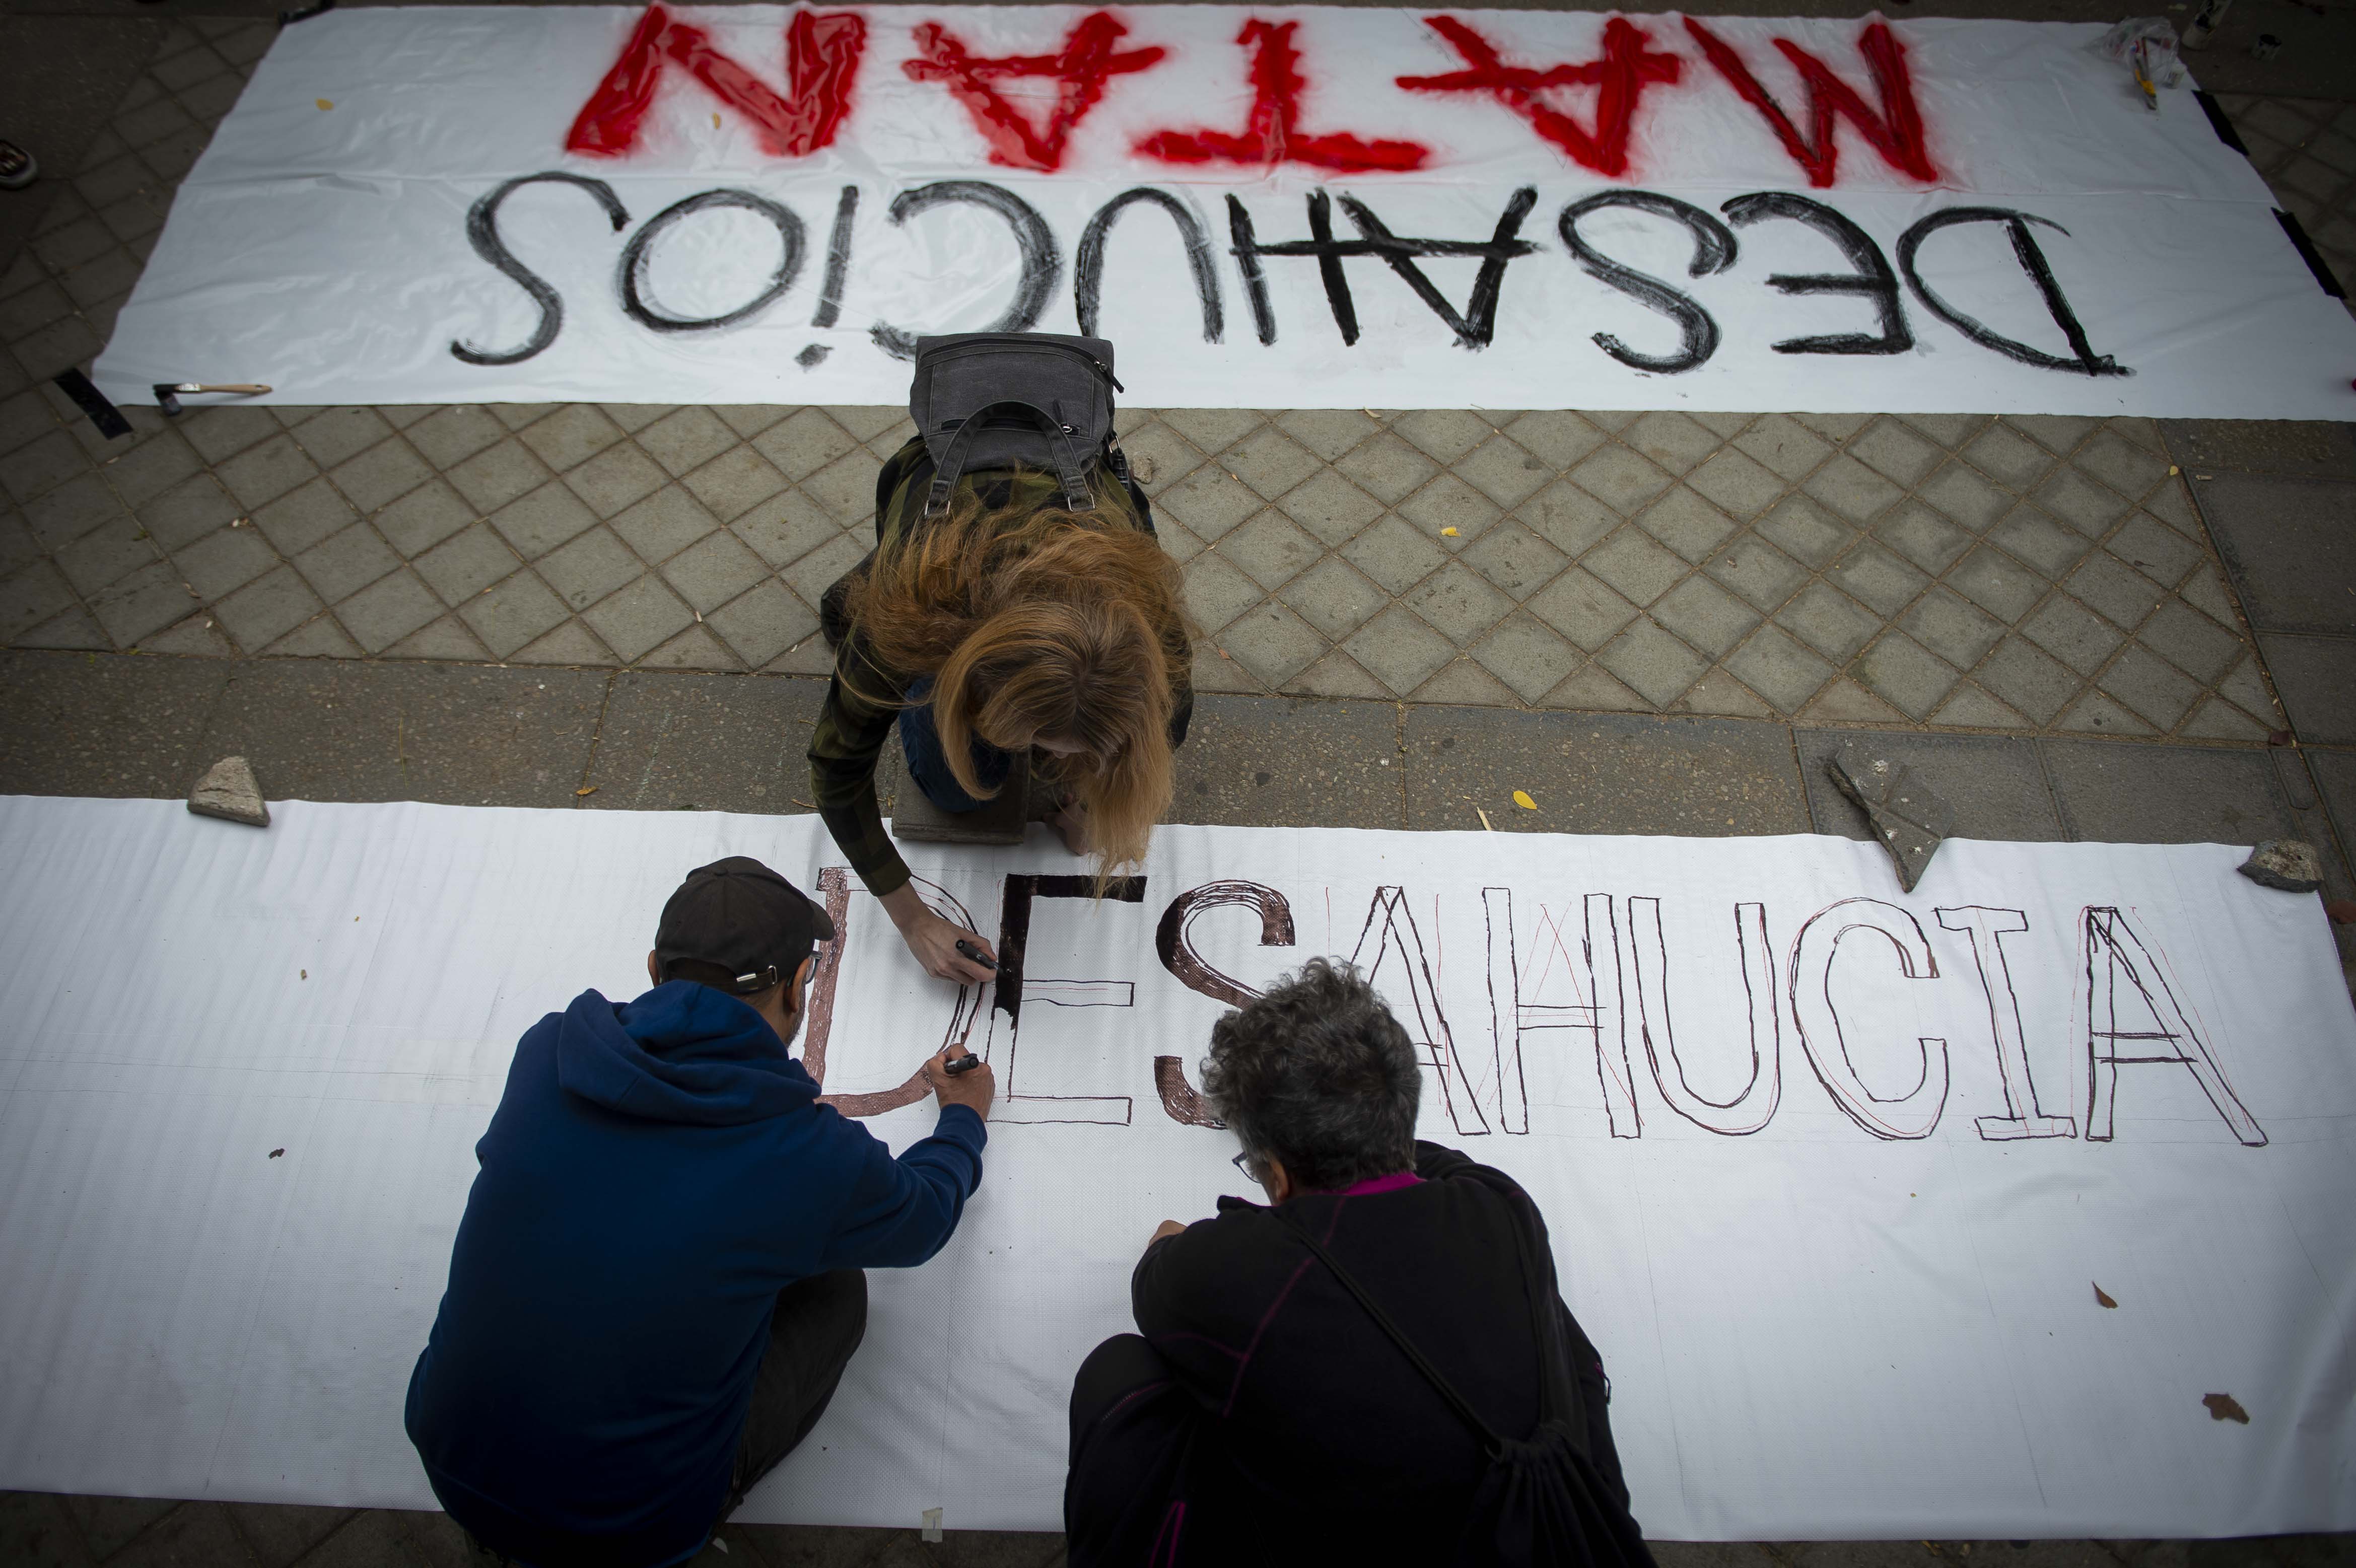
{"x":1456,"y":1402}
{"x":1069,"y":471}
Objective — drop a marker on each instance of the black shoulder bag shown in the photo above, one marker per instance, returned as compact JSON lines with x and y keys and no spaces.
{"x":1542,"y":1500}
{"x":995,"y":399}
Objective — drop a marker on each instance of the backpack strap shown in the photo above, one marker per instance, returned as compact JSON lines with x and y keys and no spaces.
{"x":1070,"y":471}
{"x":1491,"y":1441}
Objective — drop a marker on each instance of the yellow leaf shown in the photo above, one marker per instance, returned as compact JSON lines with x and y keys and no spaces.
{"x":325,"y":102}
{"x":1522,"y":798}
{"x":1449,"y":532}
{"x":590,"y":790}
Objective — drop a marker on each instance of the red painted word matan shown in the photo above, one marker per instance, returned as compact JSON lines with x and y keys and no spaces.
{"x":1272,"y":134}
{"x":1629,"y":65}
{"x":1896,"y":133}
{"x":1080,"y":70}
{"x":822,"y":54}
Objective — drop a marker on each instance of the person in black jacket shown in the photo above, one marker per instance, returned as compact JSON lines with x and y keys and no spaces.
{"x":1262,"y":1414}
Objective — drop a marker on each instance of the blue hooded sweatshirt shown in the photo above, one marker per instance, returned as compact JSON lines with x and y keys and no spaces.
{"x":655,"y":1173}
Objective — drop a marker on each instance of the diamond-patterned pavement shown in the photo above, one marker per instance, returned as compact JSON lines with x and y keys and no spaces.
{"x":2031,"y":574}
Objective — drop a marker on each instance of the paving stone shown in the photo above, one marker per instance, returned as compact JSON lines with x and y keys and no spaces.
{"x":1997,"y":583}
{"x":1450,"y":503}
{"x":1706,"y":616}
{"x":1950,"y":431}
{"x":868,"y":422}
{"x":1878,"y":577}
{"x":1718,"y":693}
{"x":1526,"y":655}
{"x":1271,"y":461}
{"x":1906,"y":674}
{"x":332,"y":435}
{"x":747,"y":419}
{"x":1464,"y":682}
{"x":1600,"y":773}
{"x":2090,"y":509}
{"x":1583,"y":608}
{"x":1269,"y":549}
{"x":1339,"y":674}
{"x":2166,"y":795}
{"x":734,"y":481}
{"x":57,"y":348}
{"x":694,"y":648}
{"x":1620,"y":478}
{"x":2317,"y":679}
{"x":2007,"y":455}
{"x":1515,"y":560}
{"x":267,"y":609}
{"x":764,"y":623}
{"x":265,"y":472}
{"x":317,"y":638}
{"x":811,"y":575}
{"x":2129,"y":469}
{"x":785,"y":528}
{"x":1212,"y":429}
{"x":41,"y":465}
{"x":1271,"y":642}
{"x":1635,"y":566}
{"x":496,"y":475}
{"x":449,"y":436}
{"x":2124,"y":595}
{"x":2153,"y":549}
{"x":571,"y":436}
{"x":464,"y":565}
{"x":1779,"y":668}
{"x":1594,"y":689}
{"x":1651,"y":662}
{"x":1208,"y":501}
{"x":1844,"y":701}
{"x":1398,"y":650}
{"x":1333,"y":598}
{"x":1736,"y":484}
{"x":1459,"y":602}
{"x":1394,"y":554}
{"x":1922,"y":536}
{"x":31,"y":597}
{"x":1784,"y":445}
{"x":1218,"y":590}
{"x":1686,"y":523}
{"x":2150,"y":686}
{"x":1328,"y":432}
{"x":2073,"y":633}
{"x":2290,"y":546}
{"x":1951,"y":627}
{"x":713,"y":571}
{"x":2028,"y":678}
{"x":1330,"y":507}
{"x":1805,"y":530}
{"x":2301,"y":449}
{"x":77,"y":628}
{"x":1568,"y":517}
{"x":2214,"y":719}
{"x":297,"y":521}
{"x":1674,"y":440}
{"x":1828,"y":621}
{"x":1386,"y":467}
{"x":72,"y":510}
{"x":1852,"y":490}
{"x":2191,"y":641}
{"x":549,"y":516}
{"x":1557,"y":437}
{"x":1217,"y":671}
{"x":344,"y":563}
{"x":2095,"y":713}
{"x":152,"y":468}
{"x":615,"y":478}
{"x":424,"y":518}
{"x":1894,"y":450}
{"x":1505,"y":472}
{"x":190,"y":1533}
{"x":570,"y":643}
{"x":1446,"y":435}
{"x":2030,"y":535}
{"x":1958,"y":491}
{"x":638,"y":619}
{"x":1159,"y":455}
{"x":515,"y":416}
{"x":387,"y":609}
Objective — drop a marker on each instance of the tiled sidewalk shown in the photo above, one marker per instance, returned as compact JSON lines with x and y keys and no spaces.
{"x":2041,"y":575}
{"x":2306,"y":150}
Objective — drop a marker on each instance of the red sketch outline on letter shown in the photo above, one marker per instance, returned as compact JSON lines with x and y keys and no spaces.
{"x":1628,"y":65}
{"x":1896,"y":133}
{"x":1271,"y":134}
{"x":1080,"y":70}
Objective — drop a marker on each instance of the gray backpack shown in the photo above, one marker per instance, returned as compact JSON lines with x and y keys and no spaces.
{"x":1004,"y":399}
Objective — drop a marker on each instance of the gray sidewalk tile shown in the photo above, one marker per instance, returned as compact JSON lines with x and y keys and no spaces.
{"x":303,"y":516}
{"x":2290,"y":545}
{"x":465,"y":735}
{"x":2317,"y":679}
{"x":1600,"y":774}
{"x":386,"y":610}
{"x":1995,"y":787}
{"x":424,"y":518}
{"x":1289,"y":761}
{"x":341,"y":565}
{"x":706,"y":743}
{"x":634,"y":621}
{"x":2334,"y":776}
{"x":764,"y":624}
{"x":2116,"y":792}
{"x":1272,"y":643}
{"x":464,"y":565}
{"x":1651,"y":662}
{"x":2301,"y":449}
{"x":74,"y":724}
{"x":1398,"y":650}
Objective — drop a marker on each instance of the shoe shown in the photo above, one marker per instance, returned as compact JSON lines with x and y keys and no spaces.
{"x":17,"y":168}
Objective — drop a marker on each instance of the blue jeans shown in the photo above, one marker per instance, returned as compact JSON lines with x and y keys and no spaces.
{"x":928,"y":764}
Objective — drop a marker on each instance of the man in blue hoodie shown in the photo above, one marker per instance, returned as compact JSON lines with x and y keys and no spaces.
{"x":657,"y":1283}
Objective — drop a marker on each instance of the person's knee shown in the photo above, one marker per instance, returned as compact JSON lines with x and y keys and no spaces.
{"x":1119,"y":1366}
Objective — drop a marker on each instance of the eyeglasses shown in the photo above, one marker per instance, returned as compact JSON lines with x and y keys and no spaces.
{"x":1242,"y":1161}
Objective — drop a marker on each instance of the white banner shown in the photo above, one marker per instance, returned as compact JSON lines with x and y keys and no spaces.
{"x":1279,"y":207}
{"x":1844,"y":1182}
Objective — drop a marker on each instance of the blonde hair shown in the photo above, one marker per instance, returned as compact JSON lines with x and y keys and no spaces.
{"x":1040,"y":623}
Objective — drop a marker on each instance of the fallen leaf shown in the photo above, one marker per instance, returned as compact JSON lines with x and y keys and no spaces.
{"x":715,"y":125}
{"x":277,"y":1152}
{"x":2173,"y":470}
{"x":587,"y":789}
{"x":1522,"y":798}
{"x":305,"y":972}
{"x":2103,"y":1298}
{"x":2226,"y":1407}
{"x":1450,"y":533}
{"x":325,"y":104}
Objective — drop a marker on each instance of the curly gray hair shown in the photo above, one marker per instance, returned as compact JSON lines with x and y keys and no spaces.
{"x":1320,"y":1074}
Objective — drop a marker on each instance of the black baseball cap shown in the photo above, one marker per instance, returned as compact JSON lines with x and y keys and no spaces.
{"x":738,"y":926}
